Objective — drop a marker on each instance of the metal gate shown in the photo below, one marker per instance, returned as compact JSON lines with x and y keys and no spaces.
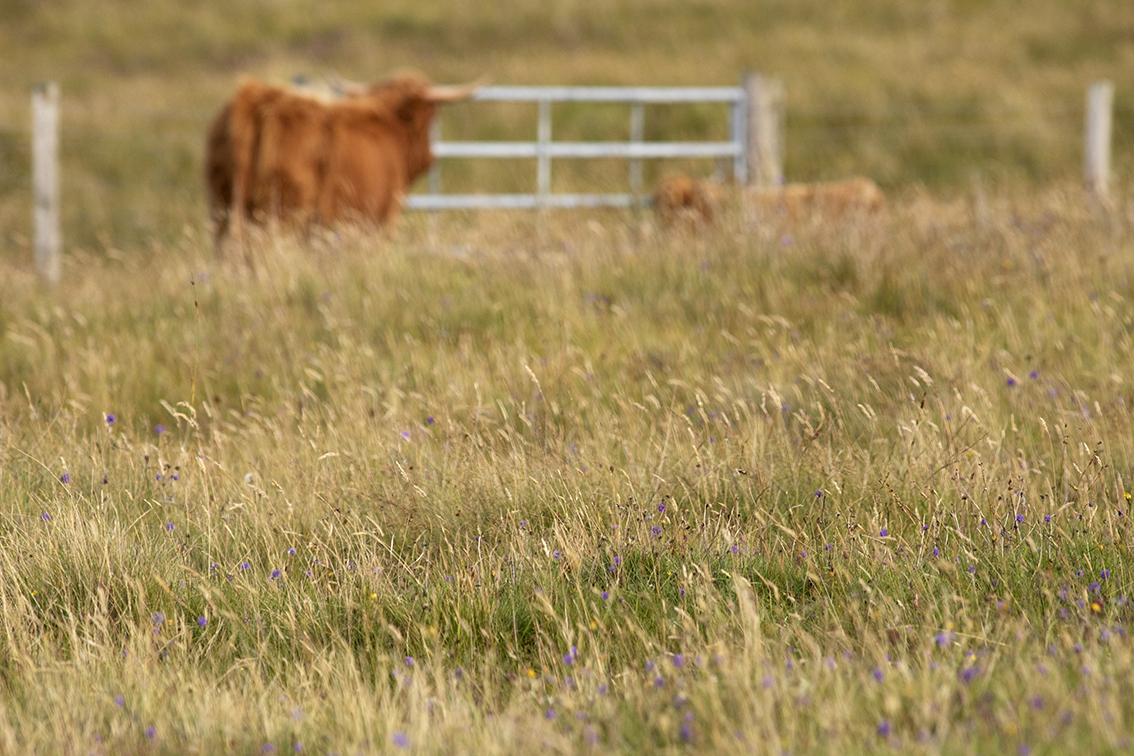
{"x":544,"y":150}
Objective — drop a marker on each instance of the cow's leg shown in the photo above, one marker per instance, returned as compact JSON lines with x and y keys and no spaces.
{"x":220,"y":229}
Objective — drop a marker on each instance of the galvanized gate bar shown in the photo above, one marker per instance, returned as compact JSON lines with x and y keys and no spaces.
{"x":609,"y":94}
{"x":515,"y":201}
{"x":585,"y":149}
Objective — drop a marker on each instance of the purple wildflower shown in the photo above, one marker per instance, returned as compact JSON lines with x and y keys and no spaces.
{"x":1011,"y":381}
{"x":877,"y":673}
{"x":65,"y":478}
{"x":170,"y":526}
{"x":400,"y":740}
{"x":884,"y":728}
{"x":202,"y":621}
{"x":1020,"y":517}
{"x":45,"y":517}
{"x":605,"y":595}
{"x":655,"y":531}
{"x":159,"y":429}
{"x":549,"y":714}
{"x":883,"y":532}
{"x":275,"y":575}
{"x":678,"y":661}
{"x":110,"y":419}
{"x":1104,"y":574}
{"x":151,"y":732}
{"x":409,"y":661}
{"x":291,"y":552}
{"x":661,"y":508}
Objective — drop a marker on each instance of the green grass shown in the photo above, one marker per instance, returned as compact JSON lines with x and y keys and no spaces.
{"x":769,"y":493}
{"x":839,"y":487}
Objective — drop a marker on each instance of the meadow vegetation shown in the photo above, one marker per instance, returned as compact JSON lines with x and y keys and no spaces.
{"x":574,"y":482}
{"x":502,"y":484}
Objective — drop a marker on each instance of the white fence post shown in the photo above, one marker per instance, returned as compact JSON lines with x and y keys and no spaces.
{"x":45,"y":179}
{"x":435,"y":169}
{"x":637,"y":121}
{"x":765,"y":130}
{"x":1096,"y":155}
{"x":543,"y":161}
{"x":738,"y":134}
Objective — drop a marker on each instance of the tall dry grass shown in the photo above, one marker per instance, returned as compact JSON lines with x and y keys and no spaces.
{"x":500,"y":483}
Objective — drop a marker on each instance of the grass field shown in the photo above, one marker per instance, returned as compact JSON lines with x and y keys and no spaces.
{"x":505,"y":485}
{"x":573,"y":482}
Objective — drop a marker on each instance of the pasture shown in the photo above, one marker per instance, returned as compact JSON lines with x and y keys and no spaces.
{"x":571,"y":482}
{"x":608,"y":488}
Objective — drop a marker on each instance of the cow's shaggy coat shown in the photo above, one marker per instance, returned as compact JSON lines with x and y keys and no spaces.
{"x":276,"y":153}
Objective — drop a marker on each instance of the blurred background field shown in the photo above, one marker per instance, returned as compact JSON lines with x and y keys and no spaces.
{"x":575,"y":482}
{"x":901,"y":92}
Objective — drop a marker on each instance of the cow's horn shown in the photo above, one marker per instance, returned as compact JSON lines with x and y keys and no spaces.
{"x":343,"y":86}
{"x":444,"y":93}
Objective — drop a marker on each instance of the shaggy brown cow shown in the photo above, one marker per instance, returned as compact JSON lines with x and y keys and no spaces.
{"x":680,"y":197}
{"x":853,"y":198}
{"x":274,"y":153}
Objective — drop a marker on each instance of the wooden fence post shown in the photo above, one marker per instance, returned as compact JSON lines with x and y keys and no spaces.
{"x":1096,"y":154}
{"x":45,"y":179}
{"x":765,"y":130}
